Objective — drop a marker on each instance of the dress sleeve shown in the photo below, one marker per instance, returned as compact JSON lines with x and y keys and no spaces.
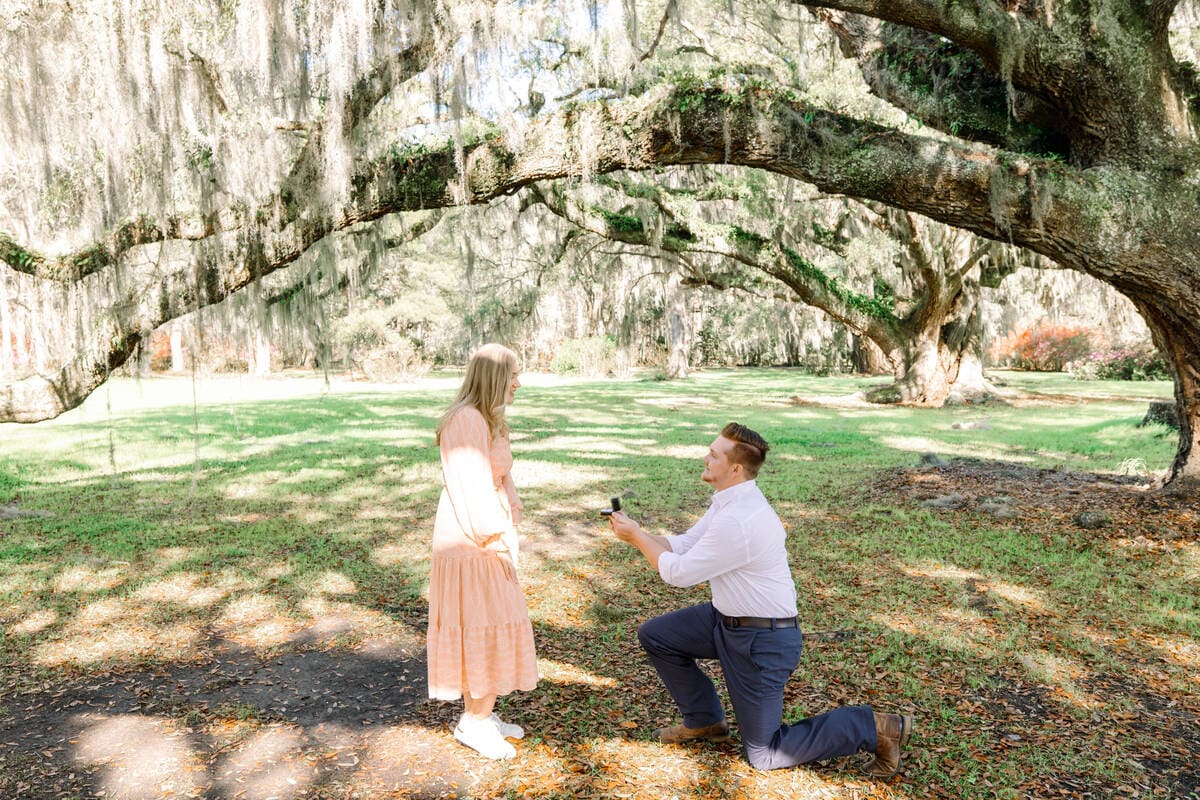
{"x":467,"y":467}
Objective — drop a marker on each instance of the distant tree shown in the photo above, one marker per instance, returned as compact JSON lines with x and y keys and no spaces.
{"x":910,"y":286}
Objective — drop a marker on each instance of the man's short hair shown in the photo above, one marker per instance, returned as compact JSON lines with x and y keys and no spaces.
{"x":749,"y":448}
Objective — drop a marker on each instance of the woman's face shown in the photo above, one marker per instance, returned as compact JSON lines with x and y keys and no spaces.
{"x":514,"y":383}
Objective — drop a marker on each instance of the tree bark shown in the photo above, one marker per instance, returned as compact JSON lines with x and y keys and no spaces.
{"x":1179,"y":341}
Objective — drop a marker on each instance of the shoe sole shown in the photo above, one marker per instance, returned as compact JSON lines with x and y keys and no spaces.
{"x":717,"y":739}
{"x":458,"y":738}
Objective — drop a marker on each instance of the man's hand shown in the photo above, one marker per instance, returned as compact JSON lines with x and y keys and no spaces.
{"x":625,"y":528}
{"x":630,"y":532}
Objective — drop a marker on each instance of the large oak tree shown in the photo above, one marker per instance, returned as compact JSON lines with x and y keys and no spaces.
{"x":1067,"y":128}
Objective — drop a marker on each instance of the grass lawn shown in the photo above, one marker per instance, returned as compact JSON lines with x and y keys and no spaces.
{"x":225,"y":598}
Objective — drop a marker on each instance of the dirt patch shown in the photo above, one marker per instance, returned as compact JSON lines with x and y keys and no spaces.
{"x":1137,"y":514}
{"x":312,"y":722}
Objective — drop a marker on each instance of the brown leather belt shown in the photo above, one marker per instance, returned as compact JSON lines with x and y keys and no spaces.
{"x":759,"y":622}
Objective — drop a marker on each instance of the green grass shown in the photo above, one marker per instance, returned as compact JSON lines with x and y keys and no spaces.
{"x":258,"y":517}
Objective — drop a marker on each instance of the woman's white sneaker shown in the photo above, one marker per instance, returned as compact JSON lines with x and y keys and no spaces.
{"x":507,"y":729}
{"x":483,"y":737}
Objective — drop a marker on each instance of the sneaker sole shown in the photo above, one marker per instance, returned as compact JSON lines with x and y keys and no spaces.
{"x":458,"y":737}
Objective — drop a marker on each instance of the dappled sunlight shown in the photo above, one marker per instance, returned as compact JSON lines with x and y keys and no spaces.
{"x":629,"y":765}
{"x":128,"y":638}
{"x":672,"y":401}
{"x":402,"y":756}
{"x":310,"y":515}
{"x":141,"y":757}
{"x":188,"y":590}
{"x":1028,"y":599}
{"x":330,"y":582}
{"x":805,"y":416}
{"x":265,"y":765}
{"x":168,"y":556}
{"x":1177,"y":649}
{"x":534,"y":474}
{"x":394,"y":437}
{"x":563,"y":672}
{"x":312,"y":475}
{"x":686,"y":452}
{"x":1060,"y":674}
{"x":393,"y":553}
{"x":923,"y":444}
{"x":260,"y":488}
{"x":938,"y":570}
{"x":24,"y":578}
{"x":621,"y":767}
{"x":36,"y":622}
{"x":951,"y":629}
{"x":585,"y":446}
{"x":271,"y":571}
{"x":330,"y":618}
{"x":285,"y":622}
{"x":257,"y":620}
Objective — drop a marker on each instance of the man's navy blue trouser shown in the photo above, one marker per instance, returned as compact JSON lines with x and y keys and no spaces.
{"x":757,"y":663}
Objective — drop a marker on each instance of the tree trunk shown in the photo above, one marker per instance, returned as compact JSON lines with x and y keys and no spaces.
{"x":177,"y":362}
{"x":262,"y":353}
{"x":942,"y":361}
{"x":677,"y":361}
{"x":7,"y":367}
{"x":144,"y":353}
{"x":869,"y":358}
{"x":1179,"y":343}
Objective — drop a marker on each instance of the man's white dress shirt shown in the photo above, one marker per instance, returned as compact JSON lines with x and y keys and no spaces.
{"x":738,"y":547}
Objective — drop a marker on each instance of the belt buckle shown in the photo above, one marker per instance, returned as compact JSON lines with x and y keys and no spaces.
{"x":734,"y":622}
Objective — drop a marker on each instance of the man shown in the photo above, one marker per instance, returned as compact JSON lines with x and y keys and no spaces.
{"x":750,"y":625}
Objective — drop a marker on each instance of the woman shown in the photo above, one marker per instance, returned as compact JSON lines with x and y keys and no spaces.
{"x":480,"y":641}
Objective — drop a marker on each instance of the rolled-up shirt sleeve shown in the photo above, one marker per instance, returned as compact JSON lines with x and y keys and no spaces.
{"x":710,"y":548}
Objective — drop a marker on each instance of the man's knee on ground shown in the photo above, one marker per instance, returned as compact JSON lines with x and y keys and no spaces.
{"x":764,"y":758}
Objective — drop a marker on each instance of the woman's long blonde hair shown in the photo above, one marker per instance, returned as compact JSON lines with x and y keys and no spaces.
{"x":485,"y":388}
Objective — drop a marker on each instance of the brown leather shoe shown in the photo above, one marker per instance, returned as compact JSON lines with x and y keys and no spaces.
{"x":892,"y":732}
{"x":678,"y":734}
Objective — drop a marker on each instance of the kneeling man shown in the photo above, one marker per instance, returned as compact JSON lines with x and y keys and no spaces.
{"x":750,"y":626}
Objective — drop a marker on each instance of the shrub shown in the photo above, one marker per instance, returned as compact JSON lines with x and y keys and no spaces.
{"x":1044,"y":348}
{"x":593,"y":356}
{"x":1138,"y":363}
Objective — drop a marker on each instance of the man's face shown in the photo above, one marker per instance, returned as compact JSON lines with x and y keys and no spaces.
{"x":719,"y":472}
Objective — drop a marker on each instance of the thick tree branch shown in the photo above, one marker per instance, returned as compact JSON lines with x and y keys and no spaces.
{"x":1079,"y":218}
{"x":980,"y":27}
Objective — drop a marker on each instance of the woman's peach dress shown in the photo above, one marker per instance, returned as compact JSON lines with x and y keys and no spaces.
{"x":480,"y":641}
